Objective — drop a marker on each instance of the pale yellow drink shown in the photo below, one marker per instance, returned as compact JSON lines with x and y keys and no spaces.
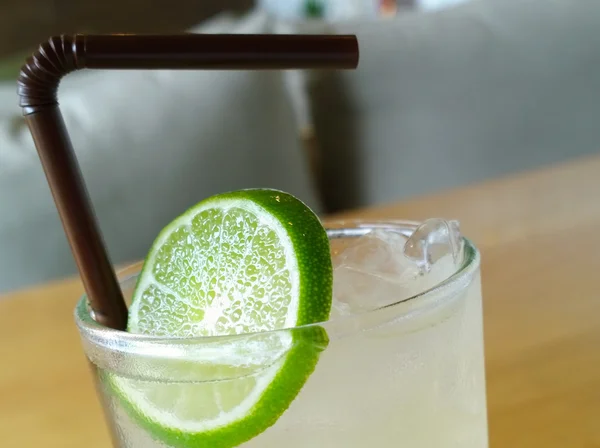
{"x":410,"y":374}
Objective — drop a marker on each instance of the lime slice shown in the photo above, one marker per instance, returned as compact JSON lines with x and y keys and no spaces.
{"x":242,"y":262}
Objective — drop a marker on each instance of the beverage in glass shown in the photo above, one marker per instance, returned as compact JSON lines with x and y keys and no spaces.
{"x":400,"y":362}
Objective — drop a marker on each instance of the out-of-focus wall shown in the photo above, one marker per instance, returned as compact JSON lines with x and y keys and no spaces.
{"x":25,"y":23}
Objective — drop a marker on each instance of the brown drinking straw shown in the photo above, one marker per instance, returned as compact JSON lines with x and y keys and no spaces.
{"x":38,"y":84}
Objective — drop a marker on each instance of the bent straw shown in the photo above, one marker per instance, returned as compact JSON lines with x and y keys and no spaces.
{"x":38,"y":85}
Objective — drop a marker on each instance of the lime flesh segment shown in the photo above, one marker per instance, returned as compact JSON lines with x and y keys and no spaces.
{"x":241,"y":262}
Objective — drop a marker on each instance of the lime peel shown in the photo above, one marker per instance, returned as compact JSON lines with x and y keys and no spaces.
{"x":240,"y":262}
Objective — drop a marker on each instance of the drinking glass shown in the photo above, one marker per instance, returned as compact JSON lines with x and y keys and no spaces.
{"x":406,"y":373}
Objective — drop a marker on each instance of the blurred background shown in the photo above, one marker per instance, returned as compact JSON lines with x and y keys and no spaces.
{"x":448,"y":93}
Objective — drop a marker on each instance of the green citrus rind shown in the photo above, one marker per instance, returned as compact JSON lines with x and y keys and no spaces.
{"x":300,"y":362}
{"x":312,"y":258}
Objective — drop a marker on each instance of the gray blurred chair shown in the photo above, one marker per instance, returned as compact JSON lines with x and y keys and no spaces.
{"x":448,"y":98}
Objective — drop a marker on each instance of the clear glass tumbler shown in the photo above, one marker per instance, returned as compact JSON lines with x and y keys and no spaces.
{"x":410,"y":373}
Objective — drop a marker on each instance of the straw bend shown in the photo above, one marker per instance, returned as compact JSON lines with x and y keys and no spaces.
{"x":40,"y":76}
{"x":60,"y":55}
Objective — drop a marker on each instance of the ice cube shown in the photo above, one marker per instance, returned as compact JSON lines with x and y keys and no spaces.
{"x":385,"y":267}
{"x":370,"y":272}
{"x":434,"y":239}
{"x":379,"y":251}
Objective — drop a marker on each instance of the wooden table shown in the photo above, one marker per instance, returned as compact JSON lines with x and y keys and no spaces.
{"x":540,"y":237}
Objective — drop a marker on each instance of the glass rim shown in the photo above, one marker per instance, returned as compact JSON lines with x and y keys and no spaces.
{"x":109,"y":337}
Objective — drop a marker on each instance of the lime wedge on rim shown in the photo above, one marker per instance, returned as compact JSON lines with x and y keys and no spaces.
{"x":242,"y":262}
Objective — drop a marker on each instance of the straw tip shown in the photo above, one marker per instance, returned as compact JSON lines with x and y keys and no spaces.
{"x":351,"y":49}
{"x":356,"y":51}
